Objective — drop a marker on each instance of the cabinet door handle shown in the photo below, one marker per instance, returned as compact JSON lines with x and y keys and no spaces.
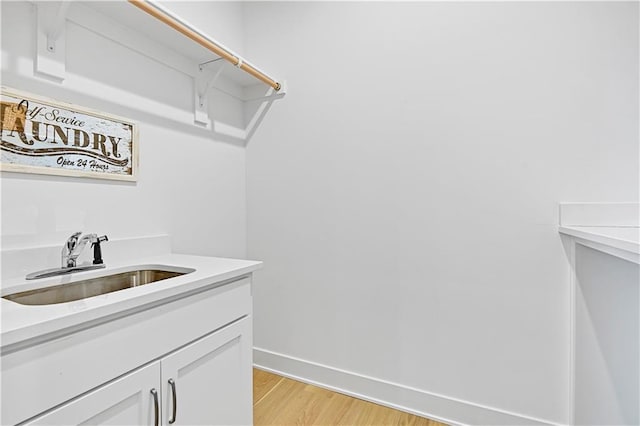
{"x":156,"y":406}
{"x":174,"y":397}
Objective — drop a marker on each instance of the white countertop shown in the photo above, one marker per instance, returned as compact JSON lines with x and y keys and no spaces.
{"x":619,"y":241}
{"x":24,"y":322}
{"x":623,"y":238}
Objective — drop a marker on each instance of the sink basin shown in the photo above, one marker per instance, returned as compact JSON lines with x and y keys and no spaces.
{"x":91,"y":287}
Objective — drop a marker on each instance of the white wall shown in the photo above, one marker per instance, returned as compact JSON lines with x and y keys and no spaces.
{"x":190,"y":186}
{"x":404,"y":194}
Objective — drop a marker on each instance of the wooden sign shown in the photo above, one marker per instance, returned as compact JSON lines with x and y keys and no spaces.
{"x":49,"y":137}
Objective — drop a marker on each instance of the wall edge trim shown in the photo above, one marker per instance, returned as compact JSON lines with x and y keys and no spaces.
{"x":390,"y":394}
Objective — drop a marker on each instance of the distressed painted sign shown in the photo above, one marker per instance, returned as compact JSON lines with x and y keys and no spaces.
{"x":50,"y":137}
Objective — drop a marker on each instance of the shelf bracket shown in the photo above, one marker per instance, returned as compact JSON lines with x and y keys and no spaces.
{"x":50,"y":57}
{"x":203,"y":82}
{"x":264,"y":103}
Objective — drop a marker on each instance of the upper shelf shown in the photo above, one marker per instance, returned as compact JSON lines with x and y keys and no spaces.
{"x":613,"y":228}
{"x":621,"y":238}
{"x":156,"y":32}
{"x":131,"y":16}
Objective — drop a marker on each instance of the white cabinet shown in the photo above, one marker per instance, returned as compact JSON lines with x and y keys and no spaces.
{"x":210,"y":380}
{"x":104,"y":374}
{"x":204,"y":383}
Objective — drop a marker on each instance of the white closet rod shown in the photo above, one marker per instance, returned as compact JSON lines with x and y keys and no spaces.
{"x":203,"y":40}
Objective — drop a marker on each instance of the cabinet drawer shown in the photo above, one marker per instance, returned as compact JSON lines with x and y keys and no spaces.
{"x":45,"y":375}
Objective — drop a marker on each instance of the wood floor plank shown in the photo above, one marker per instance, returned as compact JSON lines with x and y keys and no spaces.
{"x":268,"y":409}
{"x":282,"y":401}
{"x":290,"y":402}
{"x":335,"y":411}
{"x":263,"y":383}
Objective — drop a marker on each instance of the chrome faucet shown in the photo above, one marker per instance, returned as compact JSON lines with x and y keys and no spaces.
{"x":70,"y":251}
{"x":70,"y":247}
{"x":73,"y":247}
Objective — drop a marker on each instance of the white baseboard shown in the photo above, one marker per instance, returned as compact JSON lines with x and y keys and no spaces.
{"x":426,"y":404}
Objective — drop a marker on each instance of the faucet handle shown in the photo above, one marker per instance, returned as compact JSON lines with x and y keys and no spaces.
{"x":73,"y":240}
{"x":68,"y":248}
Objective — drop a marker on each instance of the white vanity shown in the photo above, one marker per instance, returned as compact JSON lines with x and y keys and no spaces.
{"x":175,"y":351}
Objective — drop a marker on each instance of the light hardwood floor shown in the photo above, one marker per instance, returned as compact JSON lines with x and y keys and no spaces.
{"x":281,"y":401}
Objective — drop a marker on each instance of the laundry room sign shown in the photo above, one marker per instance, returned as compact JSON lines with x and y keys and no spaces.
{"x":50,"y":137}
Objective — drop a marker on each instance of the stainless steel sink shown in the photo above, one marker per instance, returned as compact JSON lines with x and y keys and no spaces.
{"x":91,"y":287}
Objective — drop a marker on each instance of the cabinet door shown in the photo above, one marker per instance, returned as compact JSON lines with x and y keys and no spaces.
{"x":126,"y":401}
{"x":212,"y":378}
